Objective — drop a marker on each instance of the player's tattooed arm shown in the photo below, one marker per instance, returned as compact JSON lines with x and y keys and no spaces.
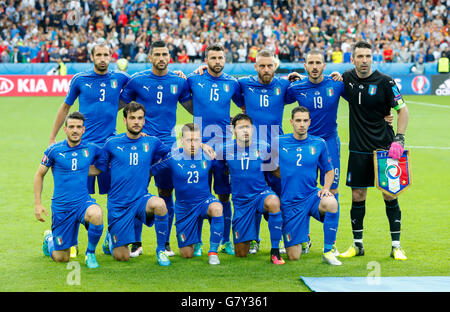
{"x":39,"y":209}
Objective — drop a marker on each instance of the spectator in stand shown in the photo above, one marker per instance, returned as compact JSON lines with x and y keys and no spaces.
{"x":43,"y":56}
{"x":388,"y":54}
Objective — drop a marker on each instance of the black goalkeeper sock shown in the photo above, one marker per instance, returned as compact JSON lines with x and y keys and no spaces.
{"x":357,"y":213}
{"x":395,"y":218}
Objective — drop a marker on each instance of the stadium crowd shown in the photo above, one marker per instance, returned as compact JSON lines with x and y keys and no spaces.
{"x":47,"y":30}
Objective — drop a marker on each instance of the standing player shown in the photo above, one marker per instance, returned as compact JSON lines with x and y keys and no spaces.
{"x":189,"y":169}
{"x":212,"y":93}
{"x":300,"y":156}
{"x":131,"y":155}
{"x":71,"y":204}
{"x":371,"y":95}
{"x":98,"y":92}
{"x":245,"y":160}
{"x":320,"y":95}
{"x":159,"y":91}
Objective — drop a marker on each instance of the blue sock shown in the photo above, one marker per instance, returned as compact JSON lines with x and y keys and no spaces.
{"x":137,"y":230}
{"x":170,"y":211}
{"x":161,"y":228}
{"x":275,"y":224}
{"x":226,"y":221}
{"x":50,"y":245}
{"x":216,"y":230}
{"x":258,"y":218}
{"x":94,"y":234}
{"x":330,"y":225}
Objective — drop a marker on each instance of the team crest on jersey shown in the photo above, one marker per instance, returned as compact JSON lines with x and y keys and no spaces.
{"x":86,"y":152}
{"x":182,"y":237}
{"x":113,"y":83}
{"x":277,"y":91}
{"x":312,"y":150}
{"x":44,"y":159}
{"x":146,"y":147}
{"x":204,"y":164}
{"x":115,"y":239}
{"x":330,"y":91}
{"x":372,"y":89}
{"x":236,"y":235}
{"x":226,"y":87}
{"x":173,"y":89}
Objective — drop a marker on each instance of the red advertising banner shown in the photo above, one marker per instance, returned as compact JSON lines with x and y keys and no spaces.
{"x":34,"y":85}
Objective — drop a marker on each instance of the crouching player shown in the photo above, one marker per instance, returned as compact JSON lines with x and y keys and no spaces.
{"x":189,"y":167}
{"x":71,"y":203}
{"x":300,"y":155}
{"x":245,"y":159}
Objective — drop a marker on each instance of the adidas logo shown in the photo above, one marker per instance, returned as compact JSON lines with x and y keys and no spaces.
{"x":444,"y":89}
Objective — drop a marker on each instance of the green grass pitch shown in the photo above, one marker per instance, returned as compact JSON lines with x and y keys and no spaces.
{"x":25,"y":127}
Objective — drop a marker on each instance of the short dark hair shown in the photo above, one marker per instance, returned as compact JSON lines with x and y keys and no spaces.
{"x":132,"y":107}
{"x":301,"y":109}
{"x":157,"y":44}
{"x":362,"y":45}
{"x":214,"y":47}
{"x":100,"y":44}
{"x":75,"y":115}
{"x":241,"y":117}
{"x":189,"y":127}
{"x":315,"y":52}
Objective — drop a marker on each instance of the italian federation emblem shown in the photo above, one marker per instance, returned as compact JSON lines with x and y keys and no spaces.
{"x":392,"y":176}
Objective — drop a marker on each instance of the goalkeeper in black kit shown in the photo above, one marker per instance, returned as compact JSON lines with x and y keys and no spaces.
{"x":371,"y":95}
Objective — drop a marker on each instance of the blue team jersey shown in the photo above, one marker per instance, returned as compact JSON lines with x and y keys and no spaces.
{"x":322,"y":100}
{"x":245,"y":165}
{"x":98,"y":97}
{"x":211,"y":99}
{"x":159,"y":95}
{"x":264,"y":103}
{"x":190,"y":176}
{"x":299,"y":161}
{"x":130,"y":166}
{"x":70,"y":170}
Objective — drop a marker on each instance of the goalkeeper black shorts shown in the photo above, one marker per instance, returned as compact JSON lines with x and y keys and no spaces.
{"x":360,"y":170}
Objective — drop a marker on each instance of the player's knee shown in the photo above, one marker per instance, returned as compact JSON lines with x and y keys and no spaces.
{"x":329,"y":204}
{"x":272,"y":204}
{"x":121,"y":255}
{"x":158,"y":206}
{"x":60,"y":256}
{"x":215,"y":210}
{"x":94,"y":215}
{"x":293,"y":253}
{"x":187,"y":252}
{"x":359,"y":194}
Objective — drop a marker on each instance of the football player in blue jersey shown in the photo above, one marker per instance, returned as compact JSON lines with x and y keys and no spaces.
{"x":71,"y":203}
{"x":189,"y":169}
{"x":212,"y":93}
{"x":300,"y":157}
{"x":246,"y":160}
{"x":130,"y":156}
{"x":98,"y":93}
{"x":158,"y":90}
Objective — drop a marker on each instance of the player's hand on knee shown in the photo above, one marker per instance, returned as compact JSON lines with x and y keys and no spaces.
{"x":38,"y":211}
{"x":324,"y":193}
{"x":397,"y":147}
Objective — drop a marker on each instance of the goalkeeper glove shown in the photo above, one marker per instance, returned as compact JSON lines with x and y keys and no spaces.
{"x":397,"y":147}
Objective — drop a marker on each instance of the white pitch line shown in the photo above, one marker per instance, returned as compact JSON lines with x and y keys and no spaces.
{"x":419,"y":146}
{"x":428,"y":104}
